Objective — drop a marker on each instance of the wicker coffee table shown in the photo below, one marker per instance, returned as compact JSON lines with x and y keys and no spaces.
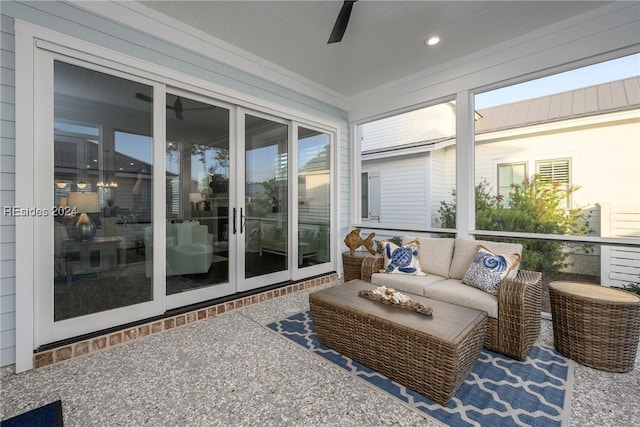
{"x":432,"y":355}
{"x":595,"y":325}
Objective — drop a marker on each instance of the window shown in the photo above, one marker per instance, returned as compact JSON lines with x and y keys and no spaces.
{"x":509,"y":174}
{"x":556,"y":172}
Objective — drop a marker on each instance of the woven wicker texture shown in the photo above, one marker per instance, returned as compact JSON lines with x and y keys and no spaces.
{"x":594,"y":325}
{"x":519,"y":302}
{"x":430,"y":365}
{"x":352,"y":264}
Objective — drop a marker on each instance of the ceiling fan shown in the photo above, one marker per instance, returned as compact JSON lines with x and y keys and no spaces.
{"x":176,"y":107}
{"x":341,"y":22}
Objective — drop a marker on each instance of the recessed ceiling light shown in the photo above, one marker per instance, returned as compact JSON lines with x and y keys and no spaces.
{"x":432,"y":41}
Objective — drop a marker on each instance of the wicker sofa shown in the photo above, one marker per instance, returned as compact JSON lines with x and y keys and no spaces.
{"x":513,"y":313}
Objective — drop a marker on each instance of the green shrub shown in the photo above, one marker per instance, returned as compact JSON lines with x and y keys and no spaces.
{"x":632,"y":287}
{"x":397,"y":240}
{"x":536,"y":206}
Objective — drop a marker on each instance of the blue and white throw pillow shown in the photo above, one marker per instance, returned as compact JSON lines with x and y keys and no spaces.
{"x":402,"y":259}
{"x":488,"y":269}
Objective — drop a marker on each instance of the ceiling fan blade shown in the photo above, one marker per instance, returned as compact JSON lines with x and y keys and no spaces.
{"x":177,"y":107}
{"x":144,"y":97}
{"x":341,"y":23}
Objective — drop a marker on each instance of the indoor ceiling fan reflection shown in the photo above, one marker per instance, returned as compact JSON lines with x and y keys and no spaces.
{"x":176,"y":107}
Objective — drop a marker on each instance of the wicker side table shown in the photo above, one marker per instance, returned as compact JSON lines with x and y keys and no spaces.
{"x":595,"y":325}
{"x":352,"y":264}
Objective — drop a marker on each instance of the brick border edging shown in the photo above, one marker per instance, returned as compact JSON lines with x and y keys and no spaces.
{"x":114,"y":339}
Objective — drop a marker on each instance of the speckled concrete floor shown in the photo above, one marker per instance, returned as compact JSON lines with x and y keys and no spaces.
{"x":230,"y":370}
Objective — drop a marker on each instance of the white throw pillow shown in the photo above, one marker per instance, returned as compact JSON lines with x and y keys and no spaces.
{"x":402,"y":259}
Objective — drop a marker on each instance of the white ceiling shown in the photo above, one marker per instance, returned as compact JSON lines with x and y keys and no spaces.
{"x":384,"y":41}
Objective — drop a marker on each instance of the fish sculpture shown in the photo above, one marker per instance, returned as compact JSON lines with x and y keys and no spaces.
{"x":353,"y":240}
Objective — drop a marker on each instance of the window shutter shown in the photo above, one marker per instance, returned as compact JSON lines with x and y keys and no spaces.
{"x":555,"y":170}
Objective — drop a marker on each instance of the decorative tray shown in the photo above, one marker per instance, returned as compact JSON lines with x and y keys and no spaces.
{"x":392,"y":297}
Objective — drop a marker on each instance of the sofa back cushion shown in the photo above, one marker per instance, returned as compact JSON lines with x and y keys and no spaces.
{"x":465,"y":251}
{"x":435,"y":254}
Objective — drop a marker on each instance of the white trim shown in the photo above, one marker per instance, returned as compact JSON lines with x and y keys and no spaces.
{"x":419,"y":149}
{"x":24,"y":148}
{"x":356,"y":174}
{"x":159,"y":196}
{"x":43,"y":177}
{"x":465,"y":164}
{"x":292,"y":205}
{"x":150,"y":21}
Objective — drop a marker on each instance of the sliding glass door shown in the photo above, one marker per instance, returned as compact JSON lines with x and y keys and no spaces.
{"x":264,"y":214}
{"x":99,"y":146}
{"x":313,"y":210}
{"x":162,"y":198}
{"x":197,"y":200}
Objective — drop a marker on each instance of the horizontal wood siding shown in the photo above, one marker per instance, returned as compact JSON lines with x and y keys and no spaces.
{"x":7,"y":192}
{"x":620,"y":265}
{"x":403,"y":189}
{"x":425,"y":124}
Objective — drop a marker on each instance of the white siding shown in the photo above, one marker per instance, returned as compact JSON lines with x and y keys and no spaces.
{"x":69,"y":19}
{"x":425,"y":124}
{"x":7,"y":193}
{"x":403,"y":190}
{"x":620,"y":265}
{"x":605,"y":160}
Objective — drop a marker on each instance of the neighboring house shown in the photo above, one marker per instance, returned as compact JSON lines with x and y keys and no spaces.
{"x":568,"y":137}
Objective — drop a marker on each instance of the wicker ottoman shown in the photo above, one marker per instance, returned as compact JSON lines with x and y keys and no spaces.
{"x":595,"y":325}
{"x":432,"y":355}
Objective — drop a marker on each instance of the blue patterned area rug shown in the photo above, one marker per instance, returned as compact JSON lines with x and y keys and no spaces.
{"x":45,"y":416}
{"x":500,"y":391}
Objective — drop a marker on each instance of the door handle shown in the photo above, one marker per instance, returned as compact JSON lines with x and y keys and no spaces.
{"x":234,"y":221}
{"x":243,"y":221}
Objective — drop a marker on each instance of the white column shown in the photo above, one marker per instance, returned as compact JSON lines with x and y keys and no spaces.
{"x":465,"y":164}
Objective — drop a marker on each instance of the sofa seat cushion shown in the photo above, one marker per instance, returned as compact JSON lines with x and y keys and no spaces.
{"x":454,"y":292}
{"x":465,"y":251}
{"x":434,"y":254}
{"x":405,"y":282}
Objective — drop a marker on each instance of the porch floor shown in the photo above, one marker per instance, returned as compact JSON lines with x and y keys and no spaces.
{"x":230,"y":370}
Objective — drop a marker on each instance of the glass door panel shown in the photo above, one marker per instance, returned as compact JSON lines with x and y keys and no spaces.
{"x":197,"y":195}
{"x":102,"y":195}
{"x":265,"y":220}
{"x":314,"y":197}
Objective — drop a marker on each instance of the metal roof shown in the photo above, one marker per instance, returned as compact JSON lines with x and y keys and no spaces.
{"x":604,"y":98}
